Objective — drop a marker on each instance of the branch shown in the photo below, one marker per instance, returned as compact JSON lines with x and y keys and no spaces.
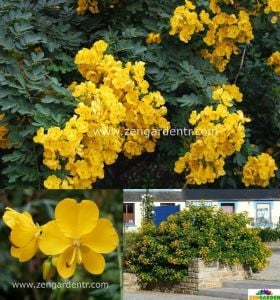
{"x":241,"y":64}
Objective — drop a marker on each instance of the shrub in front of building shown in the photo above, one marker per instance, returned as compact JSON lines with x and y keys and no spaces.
{"x":161,"y":255}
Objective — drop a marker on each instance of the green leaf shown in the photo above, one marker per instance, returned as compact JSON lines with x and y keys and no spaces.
{"x":189,"y":100}
{"x":240,"y":159}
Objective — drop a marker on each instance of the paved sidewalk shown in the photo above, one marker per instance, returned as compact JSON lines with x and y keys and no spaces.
{"x":272,"y":272}
{"x":139,"y":295}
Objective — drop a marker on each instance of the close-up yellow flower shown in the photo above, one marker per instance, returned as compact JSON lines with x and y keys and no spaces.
{"x":24,"y":235}
{"x":78,"y":237}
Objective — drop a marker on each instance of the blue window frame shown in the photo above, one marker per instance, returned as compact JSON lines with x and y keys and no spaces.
{"x":263,"y":213}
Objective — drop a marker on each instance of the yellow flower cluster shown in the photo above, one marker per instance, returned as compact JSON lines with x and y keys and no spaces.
{"x":76,"y":236}
{"x":153,"y":38}
{"x":114,"y":112}
{"x":84,"y":5}
{"x":259,"y":170}
{"x":224,"y":32}
{"x":3,"y":134}
{"x":273,"y":6}
{"x":185,"y":22}
{"x":226,"y":94}
{"x":274,"y":60}
{"x":224,"y":134}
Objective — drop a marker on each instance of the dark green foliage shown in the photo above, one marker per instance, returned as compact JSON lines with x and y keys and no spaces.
{"x":34,"y":37}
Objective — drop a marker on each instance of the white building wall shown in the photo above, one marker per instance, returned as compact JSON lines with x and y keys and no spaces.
{"x":240,"y":206}
{"x":276,"y":212}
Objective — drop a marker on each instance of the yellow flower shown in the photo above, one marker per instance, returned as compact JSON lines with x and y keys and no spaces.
{"x":3,"y":134}
{"x":215,"y":8}
{"x":52,"y":182}
{"x":24,"y":235}
{"x":3,"y":138}
{"x":205,"y":158}
{"x":153,"y":38}
{"x":78,"y":236}
{"x":226,"y":93}
{"x":259,"y":170}
{"x":225,"y":31}
{"x":274,"y":19}
{"x":185,"y":21}
{"x":274,"y":60}
{"x":100,"y":46}
{"x":114,"y":98}
{"x":274,"y":7}
{"x":84,"y":5}
{"x":180,"y":165}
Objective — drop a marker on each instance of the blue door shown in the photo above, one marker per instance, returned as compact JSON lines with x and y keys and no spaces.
{"x":162,"y":212}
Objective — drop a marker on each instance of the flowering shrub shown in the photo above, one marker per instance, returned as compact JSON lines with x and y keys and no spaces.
{"x":76,"y":236}
{"x":149,"y":73}
{"x":162,"y":254}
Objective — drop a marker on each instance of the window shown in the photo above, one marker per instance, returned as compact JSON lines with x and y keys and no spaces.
{"x":263,"y":214}
{"x":129,"y":213}
{"x":167,"y":204}
{"x":228,"y":207}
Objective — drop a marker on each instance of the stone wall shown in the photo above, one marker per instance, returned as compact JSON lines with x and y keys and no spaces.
{"x":130,"y":282}
{"x":199,"y":276}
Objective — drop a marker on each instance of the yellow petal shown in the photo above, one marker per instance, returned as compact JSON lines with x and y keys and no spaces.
{"x":27,"y":216}
{"x":76,"y":219}
{"x":93,"y":262}
{"x":10,"y":217}
{"x":27,"y":252}
{"x":103,"y":238}
{"x":64,"y":269}
{"x":52,"y":240}
{"x":16,"y":252}
{"x":23,"y":231}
